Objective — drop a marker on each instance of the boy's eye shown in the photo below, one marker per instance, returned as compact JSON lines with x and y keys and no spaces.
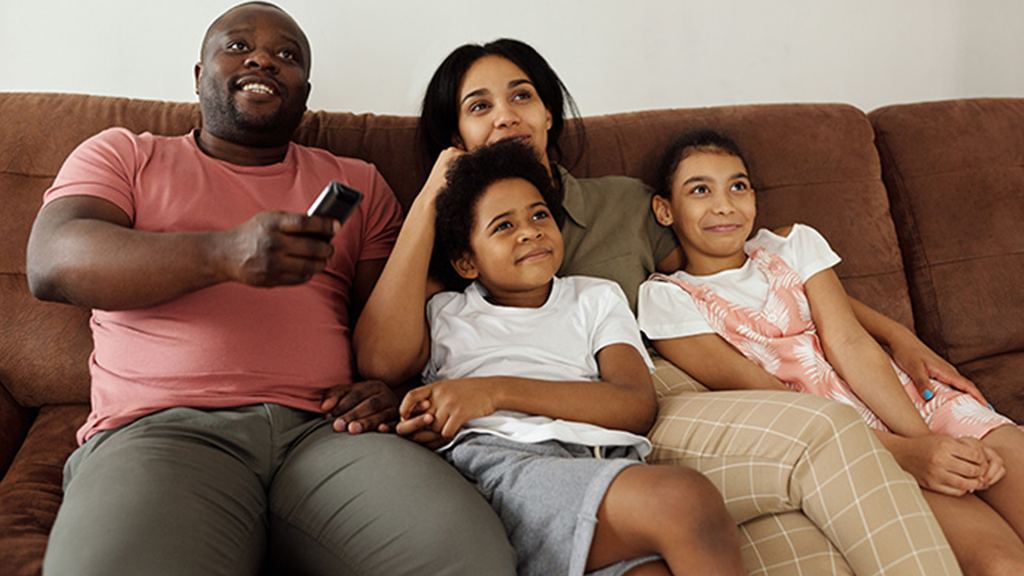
{"x":502,"y":226}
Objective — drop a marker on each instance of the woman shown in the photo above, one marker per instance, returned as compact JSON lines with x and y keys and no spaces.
{"x":802,"y":476}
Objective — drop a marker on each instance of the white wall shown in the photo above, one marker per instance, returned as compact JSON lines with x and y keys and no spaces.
{"x":615,"y":55}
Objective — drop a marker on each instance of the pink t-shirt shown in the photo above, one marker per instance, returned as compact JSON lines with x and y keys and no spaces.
{"x":229,"y":344}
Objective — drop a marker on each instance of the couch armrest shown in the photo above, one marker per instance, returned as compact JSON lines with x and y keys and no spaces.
{"x":15,"y":420}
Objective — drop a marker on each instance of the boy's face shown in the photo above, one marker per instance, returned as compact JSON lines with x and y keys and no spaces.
{"x":516,"y":244}
{"x":711,"y":211}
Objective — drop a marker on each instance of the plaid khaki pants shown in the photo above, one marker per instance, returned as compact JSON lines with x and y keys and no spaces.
{"x":812,"y":489}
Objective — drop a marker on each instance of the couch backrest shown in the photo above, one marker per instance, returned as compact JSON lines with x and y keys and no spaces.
{"x":955,"y":173}
{"x":812,"y":163}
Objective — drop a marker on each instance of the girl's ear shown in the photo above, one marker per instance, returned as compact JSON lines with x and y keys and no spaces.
{"x":662,"y":210}
{"x":465,"y":267}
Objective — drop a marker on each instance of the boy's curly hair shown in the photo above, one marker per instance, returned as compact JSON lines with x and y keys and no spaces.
{"x":468,"y":178}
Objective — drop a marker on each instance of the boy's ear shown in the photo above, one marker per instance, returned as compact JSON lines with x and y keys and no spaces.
{"x":662,"y":210}
{"x":465,"y":267}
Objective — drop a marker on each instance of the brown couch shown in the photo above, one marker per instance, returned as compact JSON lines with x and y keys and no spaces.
{"x":924,"y":202}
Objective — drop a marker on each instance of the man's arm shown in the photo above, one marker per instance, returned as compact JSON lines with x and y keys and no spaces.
{"x":82,"y":250}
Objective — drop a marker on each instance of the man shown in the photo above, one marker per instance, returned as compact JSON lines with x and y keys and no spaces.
{"x":221,"y":316}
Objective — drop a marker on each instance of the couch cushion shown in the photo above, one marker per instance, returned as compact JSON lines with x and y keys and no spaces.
{"x":30,"y":493}
{"x":955,"y":174}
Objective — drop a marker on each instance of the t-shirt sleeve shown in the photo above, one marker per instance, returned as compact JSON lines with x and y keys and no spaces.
{"x":615,"y":323}
{"x":435,"y":311}
{"x":806,"y":251}
{"x":103,"y":166}
{"x":383,"y":219}
{"x":667,"y":311}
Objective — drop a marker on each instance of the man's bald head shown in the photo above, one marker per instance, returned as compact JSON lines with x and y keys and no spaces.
{"x":216,"y":24}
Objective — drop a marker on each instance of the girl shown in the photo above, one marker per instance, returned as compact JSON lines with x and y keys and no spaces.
{"x":544,"y":384}
{"x":506,"y":90}
{"x":769,"y":312}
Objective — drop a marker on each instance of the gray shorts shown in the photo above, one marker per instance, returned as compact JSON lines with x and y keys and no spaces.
{"x":547,"y":496}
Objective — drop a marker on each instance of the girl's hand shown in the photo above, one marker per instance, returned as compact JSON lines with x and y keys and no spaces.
{"x":922,"y":364}
{"x":453,"y":402}
{"x":951,"y":466}
{"x":996,"y":468}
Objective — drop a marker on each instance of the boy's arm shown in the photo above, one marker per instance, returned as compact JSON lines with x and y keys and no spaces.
{"x":716,"y":364}
{"x":919,"y":361}
{"x":391,"y":339}
{"x":623,"y":399}
{"x":857,"y":358}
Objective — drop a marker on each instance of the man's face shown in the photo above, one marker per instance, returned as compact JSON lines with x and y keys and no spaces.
{"x":252,"y":80}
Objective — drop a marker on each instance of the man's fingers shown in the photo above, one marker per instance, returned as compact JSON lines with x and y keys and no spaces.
{"x":348,"y":399}
{"x":367,"y":423}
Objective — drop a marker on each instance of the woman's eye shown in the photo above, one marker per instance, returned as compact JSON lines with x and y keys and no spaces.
{"x":477,"y":107}
{"x":522,"y":95}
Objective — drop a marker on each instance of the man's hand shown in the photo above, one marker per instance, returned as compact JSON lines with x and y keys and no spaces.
{"x":278,"y":248}
{"x":922,"y":364}
{"x":451,"y":403}
{"x":361,"y":406}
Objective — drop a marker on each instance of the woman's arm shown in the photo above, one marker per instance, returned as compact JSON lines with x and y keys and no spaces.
{"x":623,"y":399}
{"x":857,"y":358}
{"x":392,"y":340}
{"x":716,"y":364}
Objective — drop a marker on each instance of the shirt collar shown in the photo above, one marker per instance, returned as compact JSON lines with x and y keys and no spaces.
{"x":572,"y":198}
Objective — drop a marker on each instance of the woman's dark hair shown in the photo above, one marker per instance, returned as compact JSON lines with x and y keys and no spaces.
{"x":468,"y":179}
{"x":683,"y":147}
{"x":439,"y":116}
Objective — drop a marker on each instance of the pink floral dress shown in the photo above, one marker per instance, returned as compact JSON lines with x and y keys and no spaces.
{"x":781,"y":338}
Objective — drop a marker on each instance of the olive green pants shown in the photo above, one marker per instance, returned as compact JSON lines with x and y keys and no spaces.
{"x":188,"y":491}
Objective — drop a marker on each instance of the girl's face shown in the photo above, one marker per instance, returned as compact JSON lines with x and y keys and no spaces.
{"x":497,"y":100}
{"x":515,"y":243}
{"x":711,"y":211}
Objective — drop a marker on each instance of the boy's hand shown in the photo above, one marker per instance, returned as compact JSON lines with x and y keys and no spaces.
{"x":452,"y":402}
{"x":361,"y":407}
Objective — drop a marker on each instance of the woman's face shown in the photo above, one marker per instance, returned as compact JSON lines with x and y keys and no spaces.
{"x":497,"y":100}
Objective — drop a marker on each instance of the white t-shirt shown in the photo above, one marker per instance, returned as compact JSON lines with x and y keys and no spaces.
{"x":668,"y":311}
{"x":470,"y":337}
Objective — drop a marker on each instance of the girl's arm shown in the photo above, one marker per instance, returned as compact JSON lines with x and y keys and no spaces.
{"x":391,"y":340}
{"x":623,"y":399}
{"x":716,"y":364}
{"x":912,"y":355}
{"x":857,"y":358}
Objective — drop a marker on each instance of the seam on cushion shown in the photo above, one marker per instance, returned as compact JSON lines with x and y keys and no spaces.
{"x":28,"y":174}
{"x":975,"y":258}
{"x":919,"y":277}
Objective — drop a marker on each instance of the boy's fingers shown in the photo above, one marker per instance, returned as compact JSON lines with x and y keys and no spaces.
{"x":413,"y":425}
{"x":412,"y":398}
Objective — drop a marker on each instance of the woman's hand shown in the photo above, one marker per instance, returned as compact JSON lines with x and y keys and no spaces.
{"x":438,"y":177}
{"x":951,"y":466}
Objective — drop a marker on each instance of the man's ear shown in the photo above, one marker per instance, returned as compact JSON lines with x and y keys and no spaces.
{"x":662,"y":210}
{"x":465,"y":267}
{"x":198,"y":73}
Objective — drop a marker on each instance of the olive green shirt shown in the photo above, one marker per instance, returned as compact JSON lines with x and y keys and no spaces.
{"x":610,"y":231}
